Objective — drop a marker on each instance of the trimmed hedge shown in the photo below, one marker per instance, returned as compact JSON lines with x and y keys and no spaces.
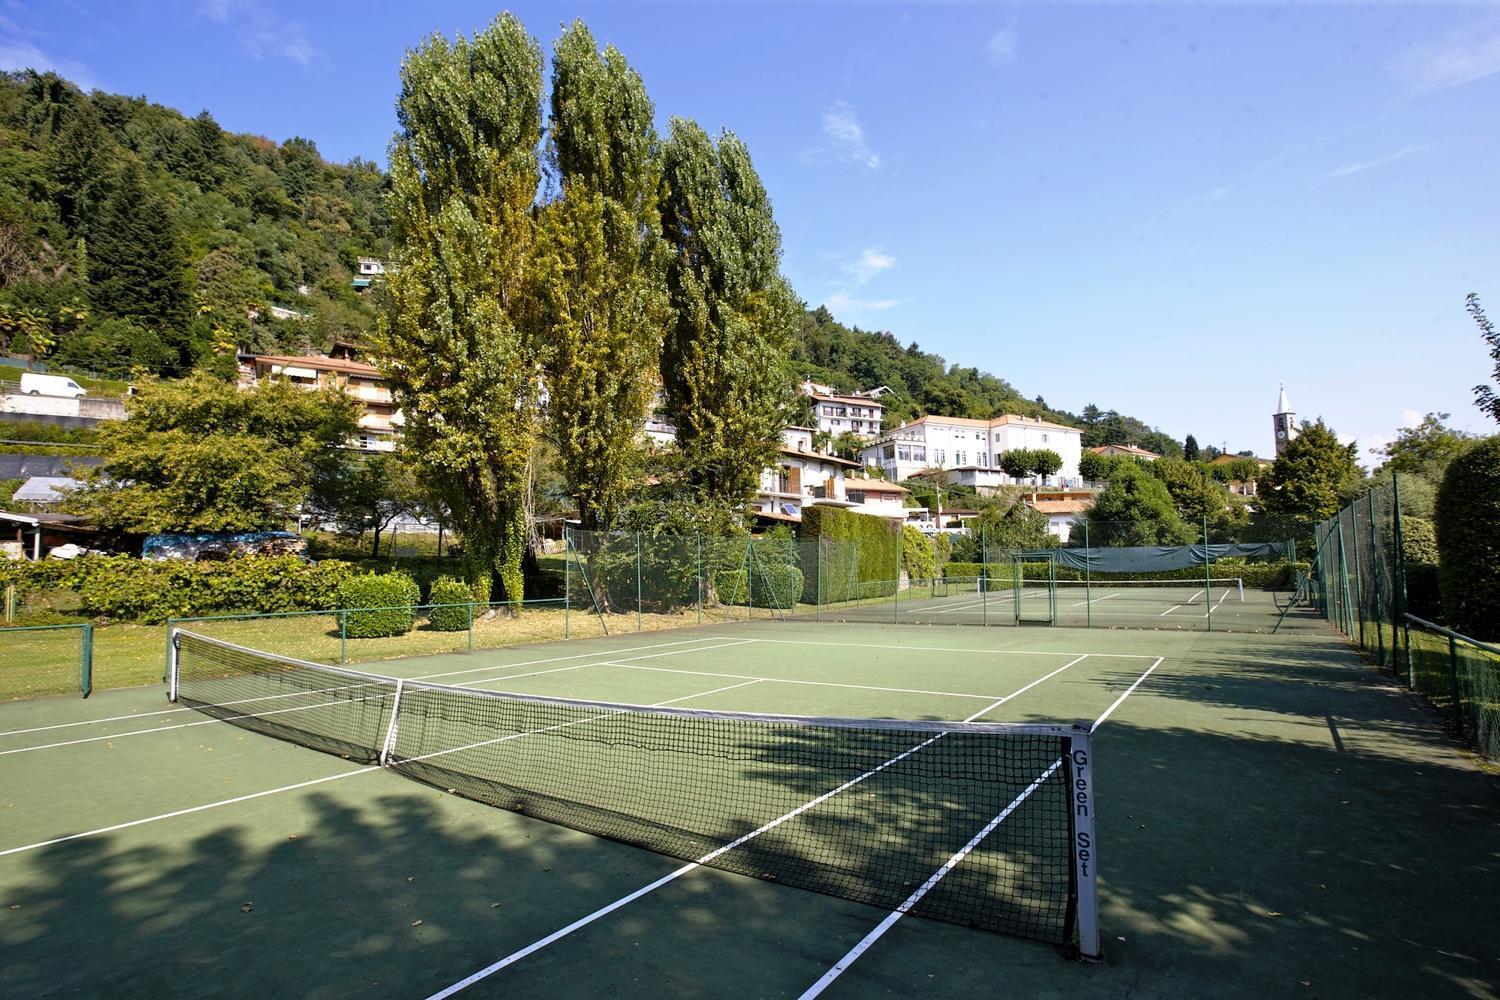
{"x":1467,"y":518}
{"x":776,"y":586}
{"x":390,"y":598}
{"x":447,"y":617}
{"x":131,"y":589}
{"x":856,"y":554}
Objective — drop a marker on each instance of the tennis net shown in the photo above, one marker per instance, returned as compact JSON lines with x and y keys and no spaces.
{"x":1183,"y":592}
{"x":866,"y":810}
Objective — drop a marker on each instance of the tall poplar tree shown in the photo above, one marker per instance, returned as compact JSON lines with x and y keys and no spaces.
{"x":600,"y":264}
{"x":724,"y":360}
{"x":457,"y":341}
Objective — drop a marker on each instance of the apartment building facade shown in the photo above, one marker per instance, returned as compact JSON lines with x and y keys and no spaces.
{"x":379,"y":420}
{"x":837,"y":413}
{"x":969,"y":451}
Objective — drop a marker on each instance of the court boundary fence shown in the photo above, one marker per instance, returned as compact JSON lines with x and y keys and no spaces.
{"x":85,"y":647}
{"x":1358,"y":583}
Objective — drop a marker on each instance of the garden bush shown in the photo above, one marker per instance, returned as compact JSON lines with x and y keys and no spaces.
{"x":451,"y":609}
{"x":385,"y":604}
{"x":131,"y":589}
{"x":1467,"y":518}
{"x":918,"y":557}
{"x":775,"y":586}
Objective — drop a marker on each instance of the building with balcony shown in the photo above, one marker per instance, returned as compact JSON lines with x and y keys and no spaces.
{"x":837,"y":412}
{"x":379,"y":420}
{"x":968,"y":451}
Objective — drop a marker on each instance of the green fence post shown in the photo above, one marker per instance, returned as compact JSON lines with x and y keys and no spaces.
{"x":1398,"y":598}
{"x":1375,"y":603}
{"x":1453,"y":683}
{"x":1411,"y":676}
{"x":749,"y":581}
{"x":167,"y":651}
{"x":1359,"y":584}
{"x":471,"y":626}
{"x":896,"y":601}
{"x":567,"y":585}
{"x":817,"y":579}
{"x":698,"y":571}
{"x":1346,"y":620}
{"x":86,"y":659}
{"x":1088,"y":579}
{"x":343,"y":635}
{"x":1208,"y":576}
{"x":637,"y":581}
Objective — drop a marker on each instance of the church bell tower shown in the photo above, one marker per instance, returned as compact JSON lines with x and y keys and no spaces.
{"x":1283,"y":422}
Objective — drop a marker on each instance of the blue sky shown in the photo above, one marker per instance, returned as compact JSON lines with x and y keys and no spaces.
{"x":1163,"y":209}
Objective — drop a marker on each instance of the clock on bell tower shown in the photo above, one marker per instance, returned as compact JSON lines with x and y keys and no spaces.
{"x":1283,"y":422}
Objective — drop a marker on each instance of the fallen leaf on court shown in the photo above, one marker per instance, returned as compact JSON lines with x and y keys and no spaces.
{"x":411,"y":878}
{"x":246,"y":908}
{"x":1273,"y":913}
{"x":291,"y":836}
{"x":17,"y":906}
{"x":416,"y":923}
{"x":1306,"y":982}
{"x":492,"y":905}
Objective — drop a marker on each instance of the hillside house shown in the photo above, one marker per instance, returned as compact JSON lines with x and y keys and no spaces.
{"x":968,"y":451}
{"x":380,"y":421}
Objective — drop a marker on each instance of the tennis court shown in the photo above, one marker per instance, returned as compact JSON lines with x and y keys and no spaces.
{"x":1272,"y":819}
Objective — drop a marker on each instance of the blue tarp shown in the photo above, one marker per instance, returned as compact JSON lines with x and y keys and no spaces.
{"x":1154,"y":558}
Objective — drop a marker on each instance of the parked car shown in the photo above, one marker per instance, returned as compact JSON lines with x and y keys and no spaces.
{"x":36,"y":384}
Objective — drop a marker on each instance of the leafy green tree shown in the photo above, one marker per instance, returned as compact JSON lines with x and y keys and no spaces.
{"x":137,"y":264}
{"x":1094,"y":467}
{"x":1468,"y":541}
{"x":457,"y":341}
{"x":202,"y":454}
{"x":1136,"y":509}
{"x":1190,"y":451}
{"x":1486,"y":398}
{"x":1018,"y":463}
{"x":365,"y":494}
{"x":1046,"y":462}
{"x":600,"y":263}
{"x":1426,"y":449}
{"x":1003,"y":525}
{"x":724,"y":360}
{"x":1306,"y":481}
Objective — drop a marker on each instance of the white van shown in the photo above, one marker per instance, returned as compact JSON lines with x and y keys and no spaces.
{"x":34,"y":384}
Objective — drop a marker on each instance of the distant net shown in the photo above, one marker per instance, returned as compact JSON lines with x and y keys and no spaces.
{"x":1180,"y":592}
{"x":860,"y":809}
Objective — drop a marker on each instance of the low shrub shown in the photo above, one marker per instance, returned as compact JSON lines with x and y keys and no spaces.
{"x":382,"y":605}
{"x":451,"y":609}
{"x":130,"y":589}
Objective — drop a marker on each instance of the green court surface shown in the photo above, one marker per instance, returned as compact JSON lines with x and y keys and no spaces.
{"x":1274,"y":819}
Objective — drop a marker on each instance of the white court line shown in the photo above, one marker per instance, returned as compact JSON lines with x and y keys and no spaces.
{"x":922,"y":890}
{"x":890,"y":921}
{"x":288,"y":788}
{"x":1095,"y":600}
{"x":321,"y":704}
{"x":890,"y":648}
{"x":419,"y":677}
{"x":783,"y":680}
{"x":692,"y":866}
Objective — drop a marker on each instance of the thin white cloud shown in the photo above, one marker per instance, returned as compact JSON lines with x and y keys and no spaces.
{"x":1459,"y":58}
{"x":1218,"y":194}
{"x":1379,"y":161}
{"x":869,"y":263}
{"x":23,"y":55}
{"x":844,"y":138}
{"x":261,"y":32}
{"x":839,"y":302}
{"x":1001,"y":48}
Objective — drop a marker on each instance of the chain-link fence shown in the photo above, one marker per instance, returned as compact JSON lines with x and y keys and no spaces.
{"x":41,"y":660}
{"x":1359,"y":583}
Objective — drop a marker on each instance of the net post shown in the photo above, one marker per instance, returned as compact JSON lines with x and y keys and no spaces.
{"x":388,"y":745}
{"x":174,"y":648}
{"x":86,"y":659}
{"x":854,"y":572}
{"x":1208,"y":576}
{"x":1081,"y":806}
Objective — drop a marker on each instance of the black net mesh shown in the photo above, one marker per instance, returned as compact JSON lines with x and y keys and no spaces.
{"x":863,"y":810}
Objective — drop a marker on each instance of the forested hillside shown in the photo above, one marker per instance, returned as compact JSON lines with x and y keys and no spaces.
{"x":134,"y":237}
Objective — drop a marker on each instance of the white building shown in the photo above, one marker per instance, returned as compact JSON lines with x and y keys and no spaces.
{"x":970,"y":450}
{"x":1062,"y":513}
{"x":801,"y":477}
{"x":836,"y":412}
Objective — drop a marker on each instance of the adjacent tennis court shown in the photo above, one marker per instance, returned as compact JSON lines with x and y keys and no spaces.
{"x":1231,"y":813}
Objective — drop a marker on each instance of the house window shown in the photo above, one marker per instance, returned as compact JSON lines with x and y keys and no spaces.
{"x":919,"y":454}
{"x":959,"y":457}
{"x":984,"y":459}
{"x":938,"y":455}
